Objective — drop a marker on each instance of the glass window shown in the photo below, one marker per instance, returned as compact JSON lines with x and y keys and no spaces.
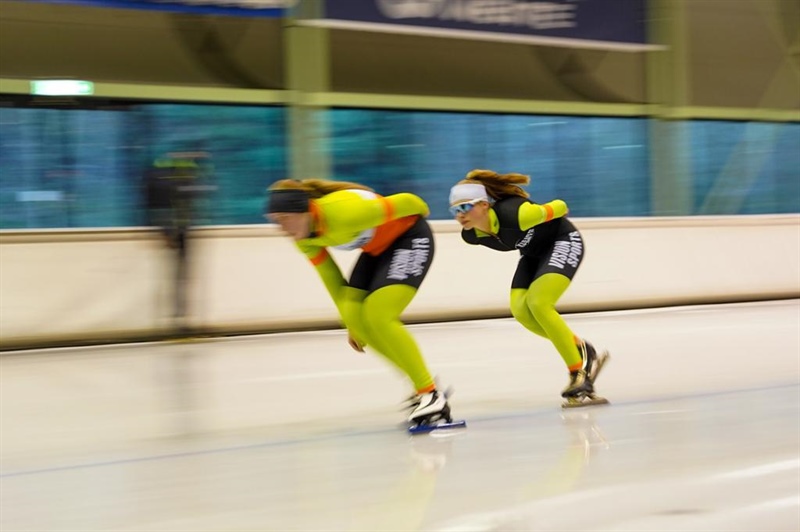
{"x":247,"y":147}
{"x":598,"y":165}
{"x":62,"y":168}
{"x":71,"y":167}
{"x":745,"y":167}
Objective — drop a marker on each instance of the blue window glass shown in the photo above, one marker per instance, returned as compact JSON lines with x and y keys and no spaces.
{"x":247,"y":146}
{"x":598,"y":165}
{"x":62,"y":168}
{"x":745,"y":167}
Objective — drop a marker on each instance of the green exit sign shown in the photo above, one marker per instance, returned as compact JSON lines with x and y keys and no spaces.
{"x":62,"y":87}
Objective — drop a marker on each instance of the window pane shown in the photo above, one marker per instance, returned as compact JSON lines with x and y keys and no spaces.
{"x":84,"y":168}
{"x":62,"y":168}
{"x":598,"y":165}
{"x":745,"y":167}
{"x":247,"y":146}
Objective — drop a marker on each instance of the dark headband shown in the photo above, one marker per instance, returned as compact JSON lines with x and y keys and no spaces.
{"x":288,"y":200}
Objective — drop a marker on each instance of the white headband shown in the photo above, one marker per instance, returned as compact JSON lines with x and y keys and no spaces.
{"x":467,"y":192}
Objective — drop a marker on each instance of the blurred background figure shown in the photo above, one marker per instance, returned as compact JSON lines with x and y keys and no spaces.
{"x":175,"y":184}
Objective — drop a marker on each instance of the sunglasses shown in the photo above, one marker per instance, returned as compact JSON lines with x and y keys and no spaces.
{"x":463,"y":208}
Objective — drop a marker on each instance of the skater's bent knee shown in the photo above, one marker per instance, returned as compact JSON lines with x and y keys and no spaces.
{"x":352,"y":313}
{"x":519,"y":305}
{"x":540,"y":306}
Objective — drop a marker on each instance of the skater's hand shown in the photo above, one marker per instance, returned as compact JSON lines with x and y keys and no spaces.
{"x":355,"y":343}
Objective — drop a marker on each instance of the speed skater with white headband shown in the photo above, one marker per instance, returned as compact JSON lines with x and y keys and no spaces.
{"x":494,"y":211}
{"x":397,"y":248}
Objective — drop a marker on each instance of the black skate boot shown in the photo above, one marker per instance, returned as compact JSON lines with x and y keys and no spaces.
{"x":580,"y":390}
{"x":581,"y":381}
{"x":592,"y":362}
{"x":579,"y":384}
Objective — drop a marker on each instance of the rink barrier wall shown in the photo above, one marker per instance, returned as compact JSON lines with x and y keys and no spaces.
{"x":71,"y":287}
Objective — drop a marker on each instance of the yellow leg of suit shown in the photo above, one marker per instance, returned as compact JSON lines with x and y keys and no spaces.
{"x":374,"y":319}
{"x":535,"y":309}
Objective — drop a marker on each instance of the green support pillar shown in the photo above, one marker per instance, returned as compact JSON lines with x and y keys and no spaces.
{"x":307,"y":67}
{"x":668,"y":92}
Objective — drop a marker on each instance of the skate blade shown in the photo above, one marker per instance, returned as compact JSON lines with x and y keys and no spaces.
{"x":426,"y":429}
{"x":584,"y":401}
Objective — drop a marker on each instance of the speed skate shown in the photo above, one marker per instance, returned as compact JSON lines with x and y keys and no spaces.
{"x":432,"y":413}
{"x":426,"y":428}
{"x":589,"y":399}
{"x":435,"y":421}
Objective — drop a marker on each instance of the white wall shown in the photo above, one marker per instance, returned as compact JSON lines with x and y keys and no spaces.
{"x":106,"y":284}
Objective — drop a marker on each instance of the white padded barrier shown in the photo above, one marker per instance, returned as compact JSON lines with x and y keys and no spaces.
{"x":115,"y":284}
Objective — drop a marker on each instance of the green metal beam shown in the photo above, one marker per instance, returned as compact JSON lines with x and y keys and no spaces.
{"x":668,"y":89}
{"x":307,"y":67}
{"x":487,"y":105}
{"x":734,"y":113}
{"x":413,"y":102}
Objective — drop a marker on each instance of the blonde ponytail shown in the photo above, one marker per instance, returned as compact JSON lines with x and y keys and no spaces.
{"x":499,"y":186}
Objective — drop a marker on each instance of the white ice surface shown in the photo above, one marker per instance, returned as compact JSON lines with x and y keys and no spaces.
{"x":296,"y":432}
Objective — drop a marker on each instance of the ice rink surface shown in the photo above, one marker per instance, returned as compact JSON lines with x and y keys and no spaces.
{"x":296,"y":432}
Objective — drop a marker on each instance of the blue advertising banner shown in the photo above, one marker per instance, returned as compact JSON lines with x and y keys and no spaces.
{"x":607,"y":24}
{"x":239,"y":8}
